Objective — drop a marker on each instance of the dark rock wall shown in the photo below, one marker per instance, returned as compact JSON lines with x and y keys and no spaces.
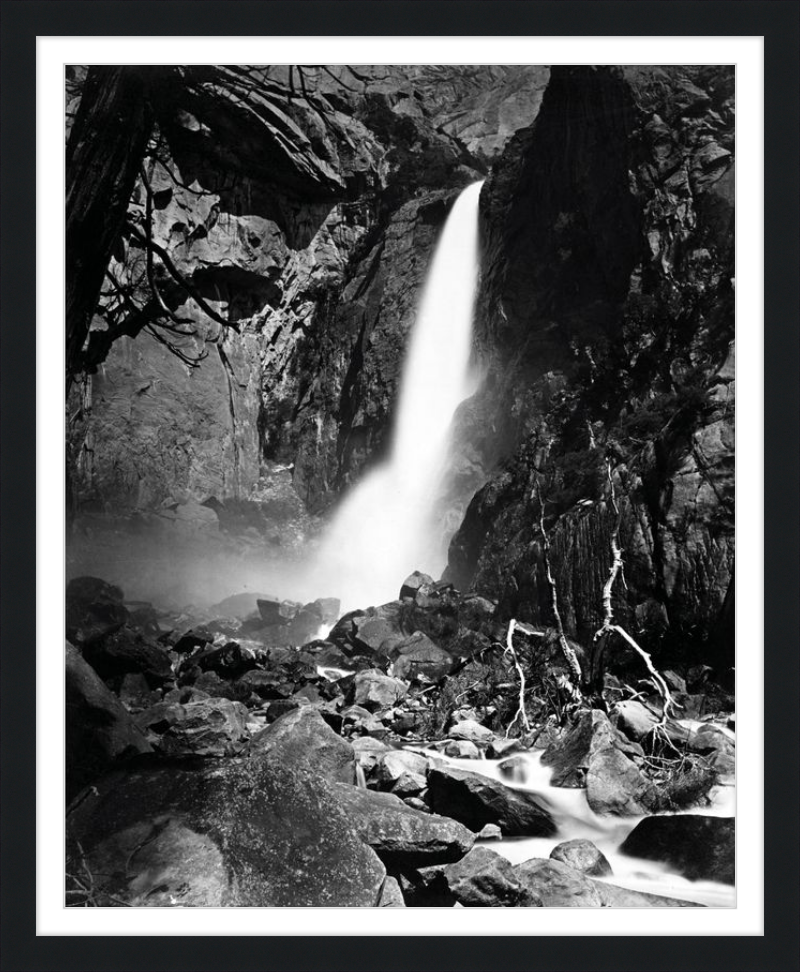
{"x":607,"y":318}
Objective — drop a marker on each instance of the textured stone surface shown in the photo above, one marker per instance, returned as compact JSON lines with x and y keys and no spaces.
{"x":484,"y":879}
{"x":99,"y":730}
{"x":247,"y":833}
{"x":303,"y":736}
{"x":700,"y":848}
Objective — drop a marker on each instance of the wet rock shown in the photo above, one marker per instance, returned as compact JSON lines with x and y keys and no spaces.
{"x":99,"y":730}
{"x":471,"y":731}
{"x":400,"y":836}
{"x":273,"y":611}
{"x":557,"y":885}
{"x":371,"y":634}
{"x":699,"y":847}
{"x":356,"y":719}
{"x":498,"y":748}
{"x":484,"y":879}
{"x":375,"y":691}
{"x":186,"y":643}
{"x":419,"y":656}
{"x":476,"y":800}
{"x":238,"y":833}
{"x":592,"y":754}
{"x":461,"y":749}
{"x":612,"y":896}
{"x":208,"y":727}
{"x":583,"y":856}
{"x":302,"y":735}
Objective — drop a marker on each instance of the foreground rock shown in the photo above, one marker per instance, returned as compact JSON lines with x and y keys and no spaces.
{"x":400,"y":836}
{"x":303,"y":736}
{"x":700,"y":848}
{"x":207,"y":727}
{"x":236,"y":833}
{"x":593,"y":754}
{"x":558,"y":885}
{"x":99,"y":730}
{"x":484,"y":879}
{"x":583,"y":856}
{"x":476,"y":800}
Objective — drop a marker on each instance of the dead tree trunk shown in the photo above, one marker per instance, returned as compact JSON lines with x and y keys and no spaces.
{"x":104,"y":154}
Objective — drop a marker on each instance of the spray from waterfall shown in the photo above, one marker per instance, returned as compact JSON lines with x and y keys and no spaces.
{"x":385,"y":528}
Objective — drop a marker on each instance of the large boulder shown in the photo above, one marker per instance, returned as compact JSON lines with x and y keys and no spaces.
{"x":228,"y":661}
{"x":125,"y":650}
{"x":99,"y":730}
{"x":484,"y":879}
{"x":414,"y":582}
{"x":400,"y":836}
{"x":583,"y":856}
{"x":238,"y":833}
{"x":375,"y":691}
{"x":419,"y":656}
{"x":471,"y":731}
{"x":302,"y":735}
{"x":557,"y":884}
{"x":699,"y":847}
{"x":207,"y":727}
{"x":477,"y":800}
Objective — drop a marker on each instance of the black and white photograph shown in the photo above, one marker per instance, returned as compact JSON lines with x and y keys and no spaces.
{"x":400,"y":485}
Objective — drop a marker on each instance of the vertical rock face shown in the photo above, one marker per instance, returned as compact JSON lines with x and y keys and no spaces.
{"x":302,"y":206}
{"x":607,"y":317}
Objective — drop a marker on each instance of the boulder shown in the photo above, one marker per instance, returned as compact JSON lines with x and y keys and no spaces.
{"x":94,"y":607}
{"x":634,"y":719}
{"x":557,"y":885}
{"x":419,"y":656}
{"x":99,"y":730}
{"x":593,"y":754}
{"x":583,"y":856}
{"x":267,"y":685}
{"x":485,"y":879}
{"x":612,"y":896}
{"x":699,"y":847}
{"x":356,"y":719}
{"x":400,"y":836}
{"x":371,"y":634}
{"x":413,"y":583}
{"x":375,"y":691}
{"x":228,"y":661}
{"x":279,"y":707}
{"x":221,"y":688}
{"x":237,"y":833}
{"x":302,"y":735}
{"x":125,"y":650}
{"x":208,"y":727}
{"x":135,"y":692}
{"x":426,"y":887}
{"x":327,"y":608}
{"x":477,"y":800}
{"x":472,"y":731}
{"x":401,"y":772}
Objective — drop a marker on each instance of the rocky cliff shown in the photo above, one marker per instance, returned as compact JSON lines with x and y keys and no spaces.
{"x":302,"y":206}
{"x":607,"y":318}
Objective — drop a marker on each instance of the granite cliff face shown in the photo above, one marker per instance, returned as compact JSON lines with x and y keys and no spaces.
{"x":607,"y":318}
{"x":302,"y":206}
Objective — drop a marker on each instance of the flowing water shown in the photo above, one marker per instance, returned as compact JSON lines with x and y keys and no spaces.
{"x":575,"y":819}
{"x":385,"y":528}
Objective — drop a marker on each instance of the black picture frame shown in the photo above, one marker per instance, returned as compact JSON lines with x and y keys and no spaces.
{"x":779,"y":22}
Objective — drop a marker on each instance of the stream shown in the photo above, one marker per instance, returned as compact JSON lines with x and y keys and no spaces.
{"x":575,"y":819}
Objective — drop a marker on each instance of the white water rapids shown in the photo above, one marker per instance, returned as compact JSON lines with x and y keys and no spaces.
{"x":575,"y":819}
{"x":384,"y":528}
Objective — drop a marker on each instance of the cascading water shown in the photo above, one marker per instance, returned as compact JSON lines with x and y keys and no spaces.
{"x":384,"y":529}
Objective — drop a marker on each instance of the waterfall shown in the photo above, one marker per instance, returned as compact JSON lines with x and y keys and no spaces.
{"x":385,"y":528}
